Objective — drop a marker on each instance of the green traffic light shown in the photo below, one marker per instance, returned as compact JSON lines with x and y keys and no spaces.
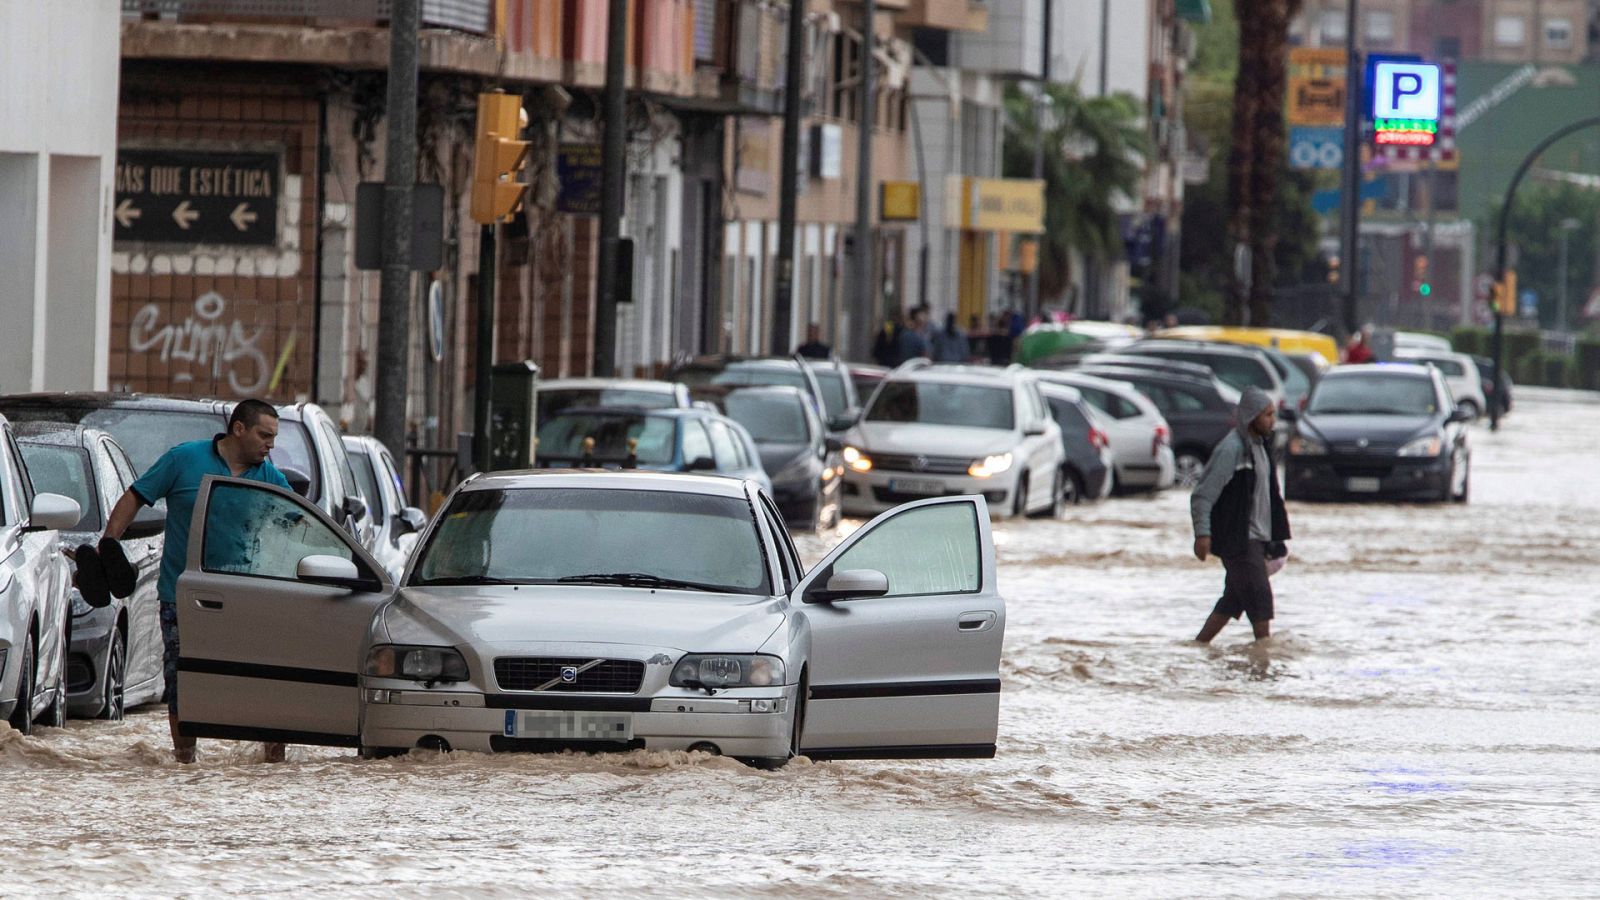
{"x":1425,"y":289}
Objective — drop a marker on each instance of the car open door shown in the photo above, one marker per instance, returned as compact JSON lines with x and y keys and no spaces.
{"x":915,"y":670}
{"x":270,"y":642}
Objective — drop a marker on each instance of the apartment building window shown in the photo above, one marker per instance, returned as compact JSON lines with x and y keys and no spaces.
{"x":1332,"y":26}
{"x":1510,"y":31}
{"x":1558,"y":34}
{"x":1380,"y":27}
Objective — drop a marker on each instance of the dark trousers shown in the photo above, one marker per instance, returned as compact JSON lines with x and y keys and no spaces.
{"x":1246,"y":590}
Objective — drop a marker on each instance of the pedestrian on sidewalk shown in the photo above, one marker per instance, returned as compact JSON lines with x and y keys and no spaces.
{"x":950,"y":343}
{"x":240,"y":452}
{"x":814,"y":347}
{"x":914,"y":341}
{"x":1239,"y":515}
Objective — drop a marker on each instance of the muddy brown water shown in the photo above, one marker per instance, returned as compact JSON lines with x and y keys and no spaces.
{"x":1424,"y":722}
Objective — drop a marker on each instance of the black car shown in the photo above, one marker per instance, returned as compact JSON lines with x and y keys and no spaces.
{"x":1496,"y":385}
{"x":744,"y":371}
{"x":1387,"y":430}
{"x":1200,"y":412}
{"x":1089,"y":460}
{"x":799,"y":456}
{"x":1237,"y":365}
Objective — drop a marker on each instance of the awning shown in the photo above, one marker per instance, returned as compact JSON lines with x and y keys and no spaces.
{"x":1195,"y":10}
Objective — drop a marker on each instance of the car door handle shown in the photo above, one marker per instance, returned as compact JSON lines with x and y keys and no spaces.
{"x":979,"y":620}
{"x":208,"y":601}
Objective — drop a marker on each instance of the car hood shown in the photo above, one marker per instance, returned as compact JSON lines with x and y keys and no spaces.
{"x":583,"y":614}
{"x":937,"y":440}
{"x":1376,"y":429}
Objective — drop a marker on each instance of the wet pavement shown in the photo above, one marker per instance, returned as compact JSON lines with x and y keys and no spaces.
{"x":1423,"y":722}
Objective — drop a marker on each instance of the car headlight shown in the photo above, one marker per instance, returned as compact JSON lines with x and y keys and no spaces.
{"x":80,"y":606}
{"x":697,"y":670}
{"x":428,"y":664}
{"x":857,"y":460}
{"x":1428,"y":445}
{"x":990,"y":465}
{"x":1300,"y":445}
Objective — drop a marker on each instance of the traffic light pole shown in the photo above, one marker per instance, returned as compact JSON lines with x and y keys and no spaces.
{"x":1500,"y":250}
{"x":483,"y":355}
{"x":1350,"y":177}
{"x":788,"y":182}
{"x":613,"y":160}
{"x":865,"y":320}
{"x":399,"y":176}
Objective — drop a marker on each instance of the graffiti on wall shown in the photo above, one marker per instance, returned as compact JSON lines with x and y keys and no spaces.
{"x":207,"y":341}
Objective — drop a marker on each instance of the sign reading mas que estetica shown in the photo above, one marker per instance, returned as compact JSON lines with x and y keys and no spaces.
{"x":197,"y":197}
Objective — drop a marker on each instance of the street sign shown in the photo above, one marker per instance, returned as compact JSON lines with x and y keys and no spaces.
{"x":427,"y":226}
{"x":196,"y":197}
{"x":1412,"y":145}
{"x":900,"y":201}
{"x":578,"y":170}
{"x":1405,"y":97}
{"x":1316,"y":91}
{"x":1316,"y":148}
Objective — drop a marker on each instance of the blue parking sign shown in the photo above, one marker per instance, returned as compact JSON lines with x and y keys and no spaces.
{"x":1316,"y":147}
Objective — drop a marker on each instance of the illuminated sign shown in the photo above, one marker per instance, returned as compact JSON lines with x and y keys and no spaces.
{"x":1405,"y":102}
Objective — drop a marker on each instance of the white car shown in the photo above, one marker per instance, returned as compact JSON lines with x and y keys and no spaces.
{"x":593,"y":611}
{"x":396,"y":526}
{"x":35,"y":595}
{"x":935,"y":430}
{"x":1416,"y":340}
{"x":1460,"y":373}
{"x":1140,"y":436}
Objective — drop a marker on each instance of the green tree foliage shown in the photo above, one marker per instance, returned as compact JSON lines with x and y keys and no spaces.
{"x":1091,"y":156}
{"x":1535,"y":230}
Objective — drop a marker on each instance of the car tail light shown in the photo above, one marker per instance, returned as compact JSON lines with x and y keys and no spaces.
{"x":1098,"y":439}
{"x":1162,"y":438}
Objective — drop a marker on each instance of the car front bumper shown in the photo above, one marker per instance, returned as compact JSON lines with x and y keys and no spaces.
{"x":870,"y":493}
{"x":402,"y":719}
{"x":1158,"y":472}
{"x":1392,"y":478}
{"x":86,"y":662}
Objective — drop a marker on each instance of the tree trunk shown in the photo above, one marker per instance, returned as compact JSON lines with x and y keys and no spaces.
{"x":1270,"y":146}
{"x":1242,"y":154}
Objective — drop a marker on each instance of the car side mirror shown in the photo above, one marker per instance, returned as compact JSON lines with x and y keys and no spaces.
{"x":355,"y":507}
{"x":851,"y":584}
{"x":844,"y":420}
{"x":702,"y":464}
{"x":299,"y":482}
{"x":147,"y":523}
{"x":1460,"y":414}
{"x":53,"y":512}
{"x":334,"y":571}
{"x":833,"y":445}
{"x":411,"y":520}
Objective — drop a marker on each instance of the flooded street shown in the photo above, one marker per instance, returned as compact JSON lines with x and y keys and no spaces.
{"x":1425,"y":721}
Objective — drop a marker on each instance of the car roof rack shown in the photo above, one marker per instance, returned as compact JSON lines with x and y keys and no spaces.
{"x":913,"y":364}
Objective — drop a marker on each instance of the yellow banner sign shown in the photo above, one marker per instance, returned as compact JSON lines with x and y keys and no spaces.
{"x":1002,"y":204}
{"x":901,"y":201}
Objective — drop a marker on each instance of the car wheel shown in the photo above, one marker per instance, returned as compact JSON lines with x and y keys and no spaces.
{"x":1190,"y":465}
{"x":116,"y":678}
{"x":1471,"y":406}
{"x":55,"y":715}
{"x":797,"y":725}
{"x":1019,"y":504}
{"x":22,"y":716}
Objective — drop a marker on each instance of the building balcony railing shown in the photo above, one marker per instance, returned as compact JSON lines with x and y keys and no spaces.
{"x":470,"y":16}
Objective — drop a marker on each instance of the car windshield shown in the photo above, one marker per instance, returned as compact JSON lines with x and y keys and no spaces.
{"x":367,"y":480}
{"x":942,"y":403}
{"x":554,"y":402}
{"x":148,"y":433}
{"x":292,"y":450}
{"x":562,"y":436}
{"x":1449,"y":368}
{"x":598,"y":536}
{"x":58,"y":469}
{"x":833,"y":393}
{"x":1375,"y":394}
{"x":770,"y":418}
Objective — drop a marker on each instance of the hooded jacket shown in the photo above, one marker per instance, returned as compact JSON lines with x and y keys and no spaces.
{"x":1221,"y":504}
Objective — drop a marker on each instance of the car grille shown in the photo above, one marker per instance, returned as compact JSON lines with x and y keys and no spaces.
{"x":531,"y":673}
{"x":1373,"y":448}
{"x":932,"y":465}
{"x":1363,"y":471}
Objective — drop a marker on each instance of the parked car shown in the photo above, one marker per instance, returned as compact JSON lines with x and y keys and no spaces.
{"x":35,"y":594}
{"x":1460,"y":373}
{"x":1237,"y":365}
{"x":865,"y":378}
{"x":1417,"y":340}
{"x":308,"y":448}
{"x":114,"y":660}
{"x":1311,"y":365}
{"x":841,"y":403}
{"x":938,"y":430}
{"x":1090,"y":463}
{"x":1383,"y":430}
{"x":1285,"y":340}
{"x":1496,"y":385}
{"x":396,"y":526}
{"x":600,"y":611}
{"x":1141,"y":439}
{"x":799,"y":456}
{"x":661,"y":440}
{"x":1199,"y":411}
{"x":636,"y":393}
{"x":740,"y":371}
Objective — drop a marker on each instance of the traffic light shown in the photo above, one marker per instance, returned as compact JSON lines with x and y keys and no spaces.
{"x":1504,"y":294}
{"x":1419,"y":276}
{"x":498,"y":158}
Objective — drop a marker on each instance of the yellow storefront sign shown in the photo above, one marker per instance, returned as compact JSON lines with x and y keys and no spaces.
{"x":1316,"y":86}
{"x":998,"y":204}
{"x":901,"y":201}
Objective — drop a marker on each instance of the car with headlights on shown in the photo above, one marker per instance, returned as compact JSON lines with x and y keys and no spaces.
{"x":940,"y":430}
{"x":799,"y":456}
{"x":563,"y":610}
{"x":1384,"y":430}
{"x":114,"y":656}
{"x":35,"y":594}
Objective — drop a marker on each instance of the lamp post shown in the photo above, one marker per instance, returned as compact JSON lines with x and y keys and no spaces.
{"x":1568,"y":226}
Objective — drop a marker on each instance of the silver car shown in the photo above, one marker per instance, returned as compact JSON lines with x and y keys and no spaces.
{"x":595,"y":611}
{"x":34,"y":602}
{"x":395,"y":525}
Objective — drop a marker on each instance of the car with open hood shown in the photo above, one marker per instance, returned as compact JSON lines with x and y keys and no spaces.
{"x":593,"y":611}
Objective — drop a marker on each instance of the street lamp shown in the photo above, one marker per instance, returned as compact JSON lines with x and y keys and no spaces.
{"x":1568,"y":226}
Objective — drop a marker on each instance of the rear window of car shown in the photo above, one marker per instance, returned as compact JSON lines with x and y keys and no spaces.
{"x":943,"y":403}
{"x":770,"y":419}
{"x":293,"y":451}
{"x":59,"y":469}
{"x":148,"y":433}
{"x":553,"y":402}
{"x":1109,"y":403}
{"x":561,"y":437}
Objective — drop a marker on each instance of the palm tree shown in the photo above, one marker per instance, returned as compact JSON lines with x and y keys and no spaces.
{"x":1092,"y":155}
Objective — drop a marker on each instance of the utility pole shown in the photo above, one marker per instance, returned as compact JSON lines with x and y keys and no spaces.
{"x":1568,"y":226}
{"x":613,"y":161}
{"x":866,"y":291}
{"x":788,"y":182}
{"x":1350,"y":212}
{"x":399,"y":179}
{"x":1041,"y":103}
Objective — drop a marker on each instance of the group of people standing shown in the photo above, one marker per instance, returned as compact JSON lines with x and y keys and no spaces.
{"x":912,"y":335}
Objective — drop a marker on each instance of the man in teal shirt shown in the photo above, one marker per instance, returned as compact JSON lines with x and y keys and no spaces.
{"x":240,"y":452}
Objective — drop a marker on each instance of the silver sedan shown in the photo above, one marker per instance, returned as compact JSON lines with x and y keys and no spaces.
{"x":594,"y":611}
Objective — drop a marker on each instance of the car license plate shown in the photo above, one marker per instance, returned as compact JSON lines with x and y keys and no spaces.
{"x":565,"y":724}
{"x":1362,"y":485}
{"x":916,"y":486}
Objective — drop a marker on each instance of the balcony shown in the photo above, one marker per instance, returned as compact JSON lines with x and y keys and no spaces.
{"x":945,"y":15}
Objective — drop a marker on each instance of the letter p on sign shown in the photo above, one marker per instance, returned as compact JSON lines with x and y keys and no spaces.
{"x":1406,"y":90}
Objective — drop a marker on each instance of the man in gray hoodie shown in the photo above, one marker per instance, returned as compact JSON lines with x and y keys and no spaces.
{"x":1239,"y":515}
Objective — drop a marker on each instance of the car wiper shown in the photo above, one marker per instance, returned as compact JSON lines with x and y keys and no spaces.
{"x":637,"y":579}
{"x":462,"y":580}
